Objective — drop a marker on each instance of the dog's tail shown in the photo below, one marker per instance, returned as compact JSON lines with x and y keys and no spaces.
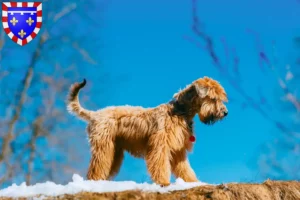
{"x":74,"y":106}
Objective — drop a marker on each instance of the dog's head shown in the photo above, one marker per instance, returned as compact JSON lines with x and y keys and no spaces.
{"x":206,"y":97}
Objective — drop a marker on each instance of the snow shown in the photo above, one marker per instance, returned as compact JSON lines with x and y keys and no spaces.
{"x":78,"y":184}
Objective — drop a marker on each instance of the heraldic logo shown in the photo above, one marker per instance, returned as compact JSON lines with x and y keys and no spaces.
{"x":22,"y":21}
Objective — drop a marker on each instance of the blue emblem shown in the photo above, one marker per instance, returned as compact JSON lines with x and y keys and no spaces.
{"x":22,"y":21}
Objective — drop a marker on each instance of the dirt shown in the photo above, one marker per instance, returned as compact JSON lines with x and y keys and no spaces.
{"x":268,"y":190}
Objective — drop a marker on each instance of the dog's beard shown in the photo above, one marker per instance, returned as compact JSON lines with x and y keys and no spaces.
{"x":208,"y":120}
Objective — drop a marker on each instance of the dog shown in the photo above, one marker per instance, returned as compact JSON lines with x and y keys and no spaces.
{"x":161,"y":135}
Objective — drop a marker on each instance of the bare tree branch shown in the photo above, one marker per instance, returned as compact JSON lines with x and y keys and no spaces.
{"x":34,"y":104}
{"x":36,"y":129}
{"x":22,"y":94}
{"x":233,"y":81}
{"x":66,"y":10}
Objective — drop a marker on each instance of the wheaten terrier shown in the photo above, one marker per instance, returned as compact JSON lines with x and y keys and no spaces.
{"x":161,"y":135}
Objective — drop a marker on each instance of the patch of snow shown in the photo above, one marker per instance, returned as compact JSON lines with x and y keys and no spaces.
{"x":80,"y":185}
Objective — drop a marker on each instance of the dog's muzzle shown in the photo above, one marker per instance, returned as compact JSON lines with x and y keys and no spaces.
{"x":209,"y":120}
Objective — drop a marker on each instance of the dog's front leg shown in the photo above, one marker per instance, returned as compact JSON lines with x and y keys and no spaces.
{"x":181,"y":167}
{"x":158,"y":159}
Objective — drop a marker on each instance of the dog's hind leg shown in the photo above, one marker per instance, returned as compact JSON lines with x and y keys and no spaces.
{"x":101,"y":160}
{"x":118,"y":159}
{"x":181,"y":167}
{"x":158,"y":159}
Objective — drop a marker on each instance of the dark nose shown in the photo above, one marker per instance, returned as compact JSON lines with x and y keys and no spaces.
{"x":225,"y":113}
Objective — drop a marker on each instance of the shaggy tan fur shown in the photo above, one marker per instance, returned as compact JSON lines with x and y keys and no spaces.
{"x":160,"y":135}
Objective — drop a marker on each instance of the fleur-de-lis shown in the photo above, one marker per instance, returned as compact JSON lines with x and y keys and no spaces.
{"x":22,"y":33}
{"x":29,"y":21}
{"x":14,"y":21}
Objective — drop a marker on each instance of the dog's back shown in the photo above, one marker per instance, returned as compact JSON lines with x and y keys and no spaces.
{"x":128,"y":120}
{"x":129,"y":126}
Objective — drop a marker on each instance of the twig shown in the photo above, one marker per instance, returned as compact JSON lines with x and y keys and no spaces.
{"x":66,"y":10}
{"x":36,"y":127}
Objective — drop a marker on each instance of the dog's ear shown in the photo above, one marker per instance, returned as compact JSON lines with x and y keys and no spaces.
{"x":186,"y":95}
{"x":201,"y":90}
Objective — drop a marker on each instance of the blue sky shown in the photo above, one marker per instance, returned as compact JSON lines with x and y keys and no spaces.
{"x":145,"y":53}
{"x":143,"y":43}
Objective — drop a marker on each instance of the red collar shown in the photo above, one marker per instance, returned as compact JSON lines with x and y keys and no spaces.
{"x":192,"y":138}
